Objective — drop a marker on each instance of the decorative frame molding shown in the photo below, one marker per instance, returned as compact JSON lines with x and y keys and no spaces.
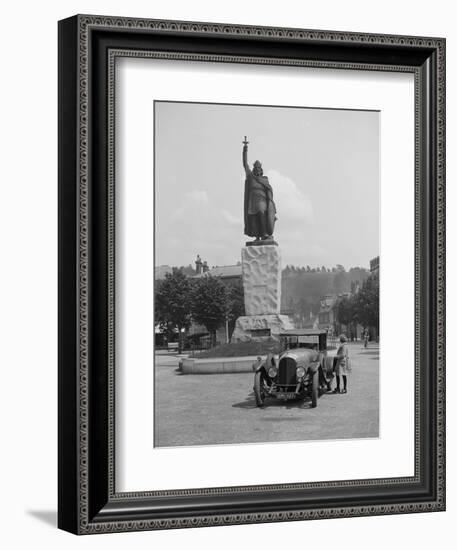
{"x":88,"y":502}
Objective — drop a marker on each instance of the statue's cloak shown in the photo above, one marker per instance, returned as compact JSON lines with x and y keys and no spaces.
{"x":258,"y":200}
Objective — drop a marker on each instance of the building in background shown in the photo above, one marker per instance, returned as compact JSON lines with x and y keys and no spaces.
{"x":374,"y":266}
{"x":228,"y":274}
{"x":327,"y":315}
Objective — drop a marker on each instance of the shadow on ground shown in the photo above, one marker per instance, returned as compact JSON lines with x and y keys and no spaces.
{"x":270,"y":402}
{"x":45,"y":516}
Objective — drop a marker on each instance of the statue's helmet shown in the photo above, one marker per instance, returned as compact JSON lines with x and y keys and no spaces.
{"x":258,"y":168}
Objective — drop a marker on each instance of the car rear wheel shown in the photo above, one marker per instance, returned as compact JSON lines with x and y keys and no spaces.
{"x":259,"y":389}
{"x":315,"y":389}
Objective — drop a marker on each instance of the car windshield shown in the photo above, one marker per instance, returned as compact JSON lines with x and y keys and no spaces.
{"x":309,"y":346}
{"x":305,"y":340}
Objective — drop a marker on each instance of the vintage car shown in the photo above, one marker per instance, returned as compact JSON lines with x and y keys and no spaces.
{"x":303,"y":369}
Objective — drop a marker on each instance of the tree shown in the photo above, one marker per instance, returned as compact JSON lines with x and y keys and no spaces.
{"x":345,"y":311}
{"x":209,"y":303}
{"x":235,"y":305}
{"x":173,"y":303}
{"x":347,"y":314}
{"x":188,"y":270}
{"x":367,"y":303}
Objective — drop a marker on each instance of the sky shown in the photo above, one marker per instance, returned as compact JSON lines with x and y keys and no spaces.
{"x":323,"y":166}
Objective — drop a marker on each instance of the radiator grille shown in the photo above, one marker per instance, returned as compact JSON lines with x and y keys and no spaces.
{"x":286,"y":374}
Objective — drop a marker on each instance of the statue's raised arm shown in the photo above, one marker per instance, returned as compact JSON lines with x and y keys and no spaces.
{"x":245,"y":155}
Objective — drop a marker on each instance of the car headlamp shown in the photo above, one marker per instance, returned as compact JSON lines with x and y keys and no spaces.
{"x":300,"y":372}
{"x":272,"y":372}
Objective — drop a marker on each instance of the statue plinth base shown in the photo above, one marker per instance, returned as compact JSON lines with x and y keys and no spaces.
{"x":260,"y":327}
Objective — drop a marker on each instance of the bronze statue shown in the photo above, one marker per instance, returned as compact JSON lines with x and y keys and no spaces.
{"x":259,"y":208}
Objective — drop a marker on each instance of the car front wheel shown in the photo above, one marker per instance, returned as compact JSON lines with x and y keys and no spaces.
{"x":315,"y":389}
{"x":259,"y":389}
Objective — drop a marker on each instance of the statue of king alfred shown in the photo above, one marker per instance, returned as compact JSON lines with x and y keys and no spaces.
{"x":259,"y":208}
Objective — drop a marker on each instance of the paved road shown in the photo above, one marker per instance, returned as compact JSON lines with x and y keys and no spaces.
{"x":210,"y":409}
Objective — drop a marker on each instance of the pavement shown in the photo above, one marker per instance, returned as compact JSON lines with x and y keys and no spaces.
{"x":213,"y":409}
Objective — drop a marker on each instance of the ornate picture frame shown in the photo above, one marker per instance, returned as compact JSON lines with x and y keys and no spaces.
{"x":88,"y":48}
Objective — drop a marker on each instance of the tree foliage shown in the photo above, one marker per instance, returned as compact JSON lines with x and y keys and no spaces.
{"x":346,"y":311}
{"x":362,"y":307}
{"x":173,"y":302}
{"x":209,"y":303}
{"x":179,"y":300}
{"x":367,"y":303}
{"x":235,"y":304}
{"x":187,"y":270}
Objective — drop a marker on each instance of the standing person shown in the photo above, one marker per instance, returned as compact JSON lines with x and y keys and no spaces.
{"x":341,"y":365}
{"x":365,"y":338}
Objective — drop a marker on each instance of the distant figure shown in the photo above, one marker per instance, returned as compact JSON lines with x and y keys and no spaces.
{"x":259,"y":207}
{"x":365,"y":337}
{"x":341,"y":365}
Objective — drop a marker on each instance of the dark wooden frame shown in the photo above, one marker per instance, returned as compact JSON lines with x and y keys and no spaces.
{"x":88,"y":46}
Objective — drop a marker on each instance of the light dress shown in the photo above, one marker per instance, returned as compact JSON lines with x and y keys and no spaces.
{"x":342,"y":364}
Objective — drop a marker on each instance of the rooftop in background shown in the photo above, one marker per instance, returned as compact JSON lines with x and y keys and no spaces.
{"x":223,"y":271}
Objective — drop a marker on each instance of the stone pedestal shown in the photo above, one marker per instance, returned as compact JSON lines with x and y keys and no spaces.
{"x":261,"y":269}
{"x":257,"y":327}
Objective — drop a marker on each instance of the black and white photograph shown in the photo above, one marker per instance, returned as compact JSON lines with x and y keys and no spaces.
{"x":266,"y":274}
